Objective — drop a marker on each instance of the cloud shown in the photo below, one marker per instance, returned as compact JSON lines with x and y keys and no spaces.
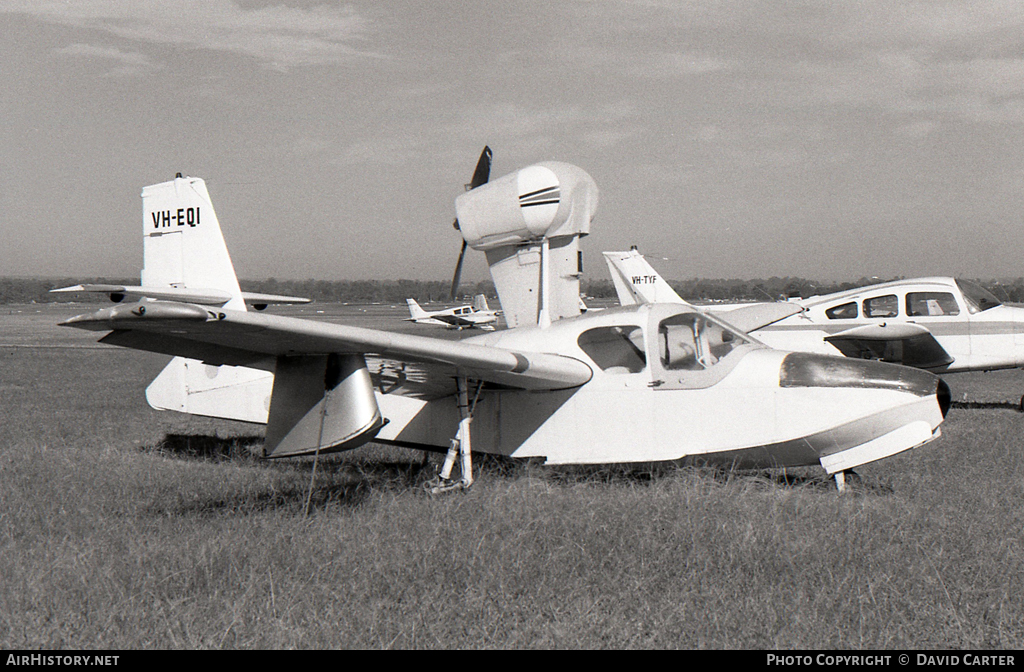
{"x":686,"y":63}
{"x":127,"y":63}
{"x":278,"y":36}
{"x":944,"y":58}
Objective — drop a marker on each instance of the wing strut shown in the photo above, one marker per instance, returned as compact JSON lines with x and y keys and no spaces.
{"x":460,"y":445}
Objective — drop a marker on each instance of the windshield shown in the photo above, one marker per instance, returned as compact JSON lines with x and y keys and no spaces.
{"x":978,"y":298}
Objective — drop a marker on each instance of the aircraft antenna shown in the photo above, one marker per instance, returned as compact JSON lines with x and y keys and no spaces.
{"x":761,"y":289}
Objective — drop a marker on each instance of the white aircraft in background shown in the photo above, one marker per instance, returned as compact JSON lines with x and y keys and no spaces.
{"x":478,"y":315}
{"x":644,"y":383}
{"x":939,"y":324}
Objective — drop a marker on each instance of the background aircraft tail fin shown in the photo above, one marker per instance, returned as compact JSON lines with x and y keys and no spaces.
{"x":415,"y":312}
{"x":480,"y":303}
{"x":636,"y":281}
{"x":183,"y":247}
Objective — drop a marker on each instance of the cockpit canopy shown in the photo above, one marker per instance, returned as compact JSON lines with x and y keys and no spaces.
{"x":676,"y":340}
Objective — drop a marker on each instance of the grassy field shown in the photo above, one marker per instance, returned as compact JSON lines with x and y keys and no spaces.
{"x":124,"y":528}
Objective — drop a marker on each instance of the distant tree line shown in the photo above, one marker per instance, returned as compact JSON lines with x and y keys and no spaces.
{"x":36,"y":290}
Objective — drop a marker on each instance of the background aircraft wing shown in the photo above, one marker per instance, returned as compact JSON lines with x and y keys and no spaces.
{"x":753,"y":317}
{"x":900,"y":343}
{"x":250,"y":339}
{"x":454,"y":320}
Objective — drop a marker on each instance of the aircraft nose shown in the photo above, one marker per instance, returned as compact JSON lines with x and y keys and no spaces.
{"x":801,"y":369}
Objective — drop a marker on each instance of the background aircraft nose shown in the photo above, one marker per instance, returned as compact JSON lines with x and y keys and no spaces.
{"x":802,"y":369}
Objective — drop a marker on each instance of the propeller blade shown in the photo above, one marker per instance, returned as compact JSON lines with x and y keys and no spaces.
{"x":458,"y":270}
{"x":481,"y":174}
{"x":483,"y":169}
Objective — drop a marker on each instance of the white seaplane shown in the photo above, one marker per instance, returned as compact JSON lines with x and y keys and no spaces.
{"x":943,"y":325}
{"x":478,"y":315}
{"x":643,"y":383}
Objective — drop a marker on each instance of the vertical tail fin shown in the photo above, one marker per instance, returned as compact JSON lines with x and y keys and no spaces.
{"x":480,"y":303}
{"x":415,"y":311}
{"x":636,"y":281}
{"x":183,"y":246}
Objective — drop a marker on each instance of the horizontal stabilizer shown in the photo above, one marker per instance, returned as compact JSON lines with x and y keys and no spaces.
{"x":206,"y":297}
{"x":899,"y":343}
{"x":261,"y":301}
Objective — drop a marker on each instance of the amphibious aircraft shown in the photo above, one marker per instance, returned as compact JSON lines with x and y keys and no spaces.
{"x":643,"y":383}
{"x":478,"y":315}
{"x":939,"y":324}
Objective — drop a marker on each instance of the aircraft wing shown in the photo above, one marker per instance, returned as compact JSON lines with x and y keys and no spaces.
{"x":753,"y":317}
{"x":248,"y":339}
{"x":900,"y":343}
{"x":207,"y":297}
{"x":454,"y":320}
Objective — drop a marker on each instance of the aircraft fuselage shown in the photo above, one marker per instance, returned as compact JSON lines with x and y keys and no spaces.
{"x":975,"y":337}
{"x":670,"y":384}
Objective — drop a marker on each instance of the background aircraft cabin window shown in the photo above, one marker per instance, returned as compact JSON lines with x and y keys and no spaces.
{"x":931,"y":303}
{"x":615,"y":349}
{"x":847,"y":311}
{"x":978,"y":298}
{"x":881,"y":306}
{"x":691,"y":342}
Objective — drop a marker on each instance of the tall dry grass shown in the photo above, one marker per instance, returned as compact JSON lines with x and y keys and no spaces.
{"x":125,"y":528}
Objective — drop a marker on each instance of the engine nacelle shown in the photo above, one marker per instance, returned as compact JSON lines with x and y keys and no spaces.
{"x":518,"y":220}
{"x":545,"y":200}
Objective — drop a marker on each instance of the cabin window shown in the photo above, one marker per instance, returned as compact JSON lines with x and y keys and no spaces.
{"x":921,"y":304}
{"x":618,"y":349}
{"x":847,"y":311}
{"x":881,"y":306}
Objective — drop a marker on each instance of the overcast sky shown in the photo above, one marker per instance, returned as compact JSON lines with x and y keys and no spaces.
{"x":756,"y":138}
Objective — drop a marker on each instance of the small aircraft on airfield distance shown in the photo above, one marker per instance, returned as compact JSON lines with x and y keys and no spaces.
{"x":642,"y":383}
{"x":943,"y":325}
{"x":478,"y":315}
